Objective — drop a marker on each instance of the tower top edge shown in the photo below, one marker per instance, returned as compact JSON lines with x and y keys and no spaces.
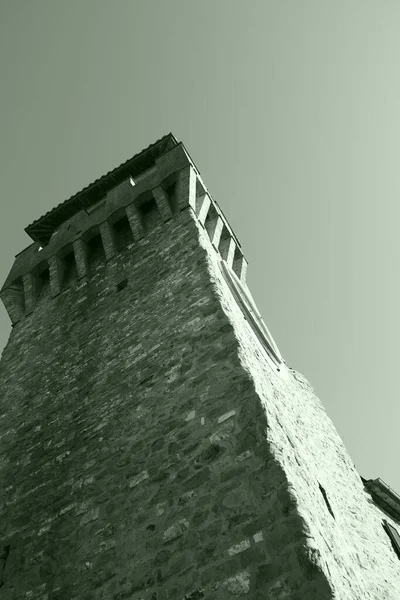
{"x":383,"y":496}
{"x":41,"y":229}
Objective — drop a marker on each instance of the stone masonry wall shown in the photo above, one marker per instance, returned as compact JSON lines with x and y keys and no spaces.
{"x":351,"y":547}
{"x":129,"y":461}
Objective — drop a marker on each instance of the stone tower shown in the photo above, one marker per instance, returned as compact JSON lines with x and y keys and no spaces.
{"x":153,"y":443}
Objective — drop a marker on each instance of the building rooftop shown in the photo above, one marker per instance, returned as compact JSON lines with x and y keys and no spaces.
{"x":42,"y":229}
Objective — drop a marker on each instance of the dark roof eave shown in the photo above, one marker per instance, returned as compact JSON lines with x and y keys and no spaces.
{"x":41,"y":229}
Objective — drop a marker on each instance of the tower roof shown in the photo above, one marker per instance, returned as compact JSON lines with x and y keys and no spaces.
{"x":42,"y":229}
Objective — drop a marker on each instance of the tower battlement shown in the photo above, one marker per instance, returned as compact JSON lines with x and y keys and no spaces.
{"x":118,"y":209}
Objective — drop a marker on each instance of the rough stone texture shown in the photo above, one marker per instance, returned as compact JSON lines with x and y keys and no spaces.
{"x":351,"y":550}
{"x":149,"y":450}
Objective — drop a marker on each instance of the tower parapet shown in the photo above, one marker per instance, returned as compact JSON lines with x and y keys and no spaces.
{"x":116,"y":210}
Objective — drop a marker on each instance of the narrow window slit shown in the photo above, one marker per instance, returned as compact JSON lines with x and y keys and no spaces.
{"x":123,"y":233}
{"x":43,"y":283}
{"x":122,"y":284}
{"x":211,"y":221}
{"x":172,"y":198}
{"x":326,"y":500}
{"x":70,"y":270}
{"x":224,"y":242}
{"x":150,"y":215}
{"x":96,"y":254}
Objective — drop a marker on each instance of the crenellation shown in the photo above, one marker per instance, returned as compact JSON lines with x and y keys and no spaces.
{"x":223,"y":240}
{"x":125,"y":195}
{"x":144,"y":206}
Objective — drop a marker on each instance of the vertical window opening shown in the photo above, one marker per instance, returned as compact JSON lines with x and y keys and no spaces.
{"x":123,"y":233}
{"x":326,"y":500}
{"x":172,"y":199}
{"x":70,"y":271}
{"x":237,"y":261}
{"x":200,"y":189}
{"x":211,"y":221}
{"x":96,"y":254}
{"x":150,"y":214}
{"x":199,"y":203}
{"x":224,"y":243}
{"x":43,"y":283}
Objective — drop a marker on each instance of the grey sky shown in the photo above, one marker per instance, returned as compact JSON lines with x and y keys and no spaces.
{"x":289,"y":110}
